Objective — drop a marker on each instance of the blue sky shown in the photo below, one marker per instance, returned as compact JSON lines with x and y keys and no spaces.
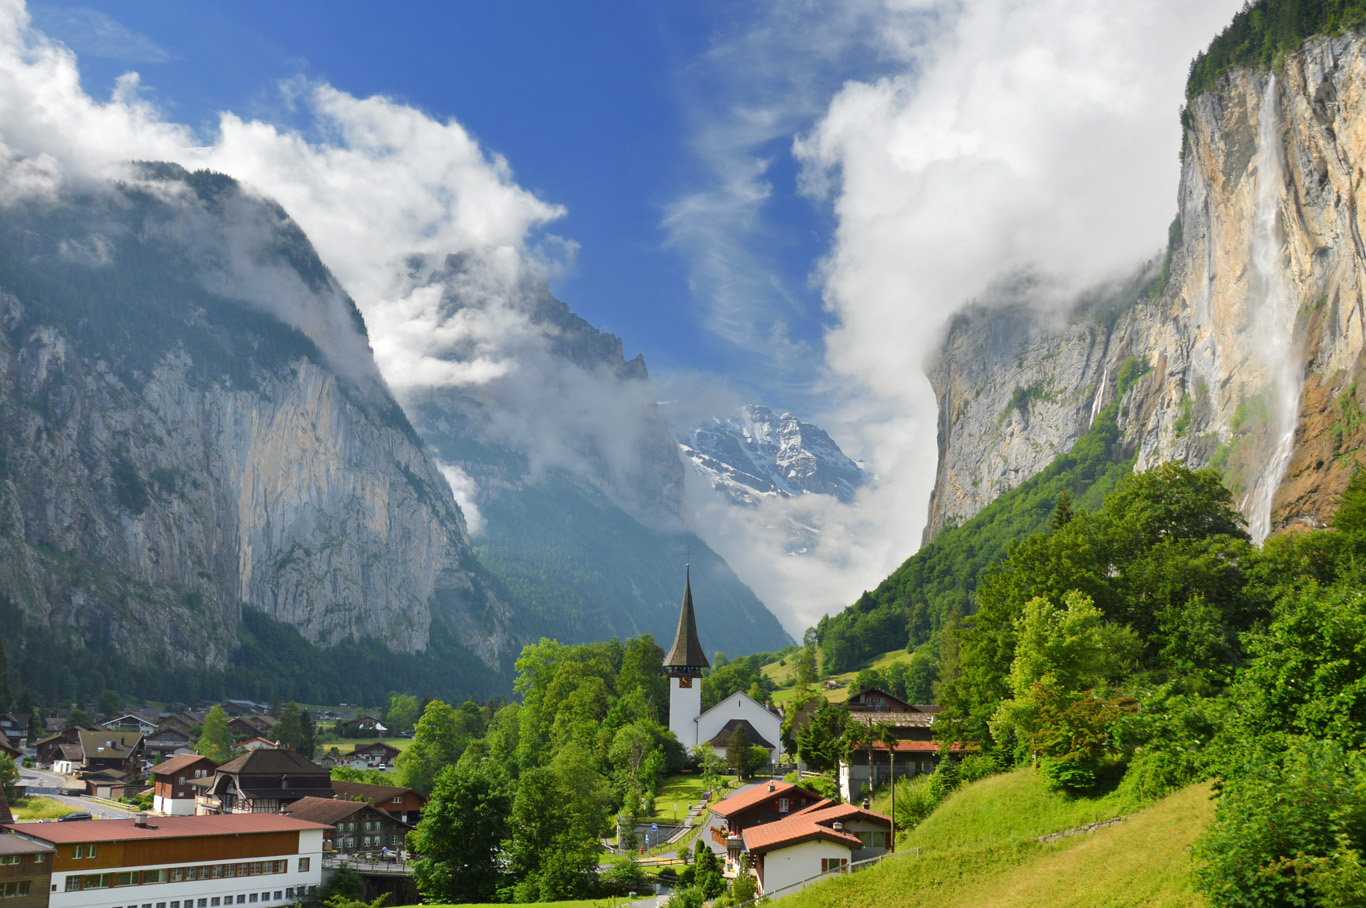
{"x":776,"y":201}
{"x":595,"y":107}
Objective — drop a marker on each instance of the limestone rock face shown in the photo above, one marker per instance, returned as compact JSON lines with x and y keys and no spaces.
{"x":173,"y":453}
{"x":1246,"y":359}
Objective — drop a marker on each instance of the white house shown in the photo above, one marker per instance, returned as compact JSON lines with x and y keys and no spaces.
{"x":737,"y":708}
{"x":791,"y":854}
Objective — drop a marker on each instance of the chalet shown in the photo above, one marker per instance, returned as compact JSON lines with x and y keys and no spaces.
{"x":13,"y":729}
{"x":401,"y":803}
{"x":25,"y":870}
{"x":50,"y":748}
{"x":821,"y":839}
{"x":757,"y":806}
{"x":356,"y":826}
{"x":10,"y":750}
{"x":167,"y":741}
{"x":143,"y":721}
{"x":913,"y":752}
{"x":185,"y":721}
{"x":260,"y":859}
{"x":377,"y":754}
{"x":363,"y":725}
{"x":172,"y":793}
{"x":261,"y":781}
{"x":252,"y":726}
{"x":117,"y":750}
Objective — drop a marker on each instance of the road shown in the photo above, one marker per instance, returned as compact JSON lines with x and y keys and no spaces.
{"x":42,"y":781}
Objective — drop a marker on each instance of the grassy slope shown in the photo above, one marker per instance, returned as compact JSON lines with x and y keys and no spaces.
{"x":980,"y":849}
{"x":36,"y":808}
{"x":785,"y":676}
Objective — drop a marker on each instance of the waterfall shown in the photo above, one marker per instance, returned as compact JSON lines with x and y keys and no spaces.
{"x":1274,"y":320}
{"x":1099,"y":400}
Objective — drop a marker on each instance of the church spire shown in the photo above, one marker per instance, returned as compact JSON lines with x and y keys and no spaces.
{"x":686,"y":656}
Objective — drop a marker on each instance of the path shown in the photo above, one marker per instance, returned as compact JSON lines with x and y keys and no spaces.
{"x":43,"y":783}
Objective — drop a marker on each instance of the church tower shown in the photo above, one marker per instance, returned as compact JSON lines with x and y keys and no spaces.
{"x":684,"y":665}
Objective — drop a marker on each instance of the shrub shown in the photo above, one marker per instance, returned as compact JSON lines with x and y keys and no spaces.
{"x":1071,"y":777}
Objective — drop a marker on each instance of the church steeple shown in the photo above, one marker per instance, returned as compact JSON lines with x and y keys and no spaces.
{"x":686,"y":656}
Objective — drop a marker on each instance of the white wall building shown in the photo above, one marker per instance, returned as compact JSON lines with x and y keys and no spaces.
{"x":181,"y":862}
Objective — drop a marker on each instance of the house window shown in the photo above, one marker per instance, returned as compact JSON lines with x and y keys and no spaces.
{"x":277,"y":895}
{"x":303,"y":865}
{"x":782,"y":805}
{"x":252,"y":898}
{"x":90,"y":851}
{"x":834,"y":865}
{"x":40,"y":859}
{"x":398,"y":800}
{"x":215,"y":901}
{"x":873,"y":839}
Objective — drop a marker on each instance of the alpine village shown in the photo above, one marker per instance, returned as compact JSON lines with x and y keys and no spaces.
{"x":279,"y":630}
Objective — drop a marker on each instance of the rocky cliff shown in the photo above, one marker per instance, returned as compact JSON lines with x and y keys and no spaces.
{"x":191,"y":425}
{"x":1241,"y":353}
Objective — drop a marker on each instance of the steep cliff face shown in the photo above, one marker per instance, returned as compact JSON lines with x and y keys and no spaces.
{"x":1247,"y":358}
{"x":191,"y":424}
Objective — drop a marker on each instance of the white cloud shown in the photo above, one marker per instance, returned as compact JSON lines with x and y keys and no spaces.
{"x":1024,"y":136}
{"x":465,"y":492}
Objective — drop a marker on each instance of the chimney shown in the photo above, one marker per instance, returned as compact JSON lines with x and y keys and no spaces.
{"x":772,"y":786}
{"x":865,"y":803}
{"x":140,"y":819}
{"x":838,"y":827}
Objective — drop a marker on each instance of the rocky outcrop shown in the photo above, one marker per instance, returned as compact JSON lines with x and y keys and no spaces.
{"x":178,"y":444}
{"x":1244,"y":356}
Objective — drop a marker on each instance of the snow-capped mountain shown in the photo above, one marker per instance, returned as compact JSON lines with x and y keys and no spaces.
{"x":759,"y":453}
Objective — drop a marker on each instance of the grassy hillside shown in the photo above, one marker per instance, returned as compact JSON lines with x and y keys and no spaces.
{"x":980,"y":848}
{"x":785,"y":676}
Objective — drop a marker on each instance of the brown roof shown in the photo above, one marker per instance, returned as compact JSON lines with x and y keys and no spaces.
{"x":179,"y":762}
{"x":109,"y":745}
{"x":831,"y":813}
{"x":756,"y":795}
{"x":269,"y":762}
{"x":7,"y":748}
{"x":791,"y":831}
{"x":377,"y":793}
{"x":327,"y":811}
{"x":722,"y":737}
{"x":161,"y":828}
{"x":13,"y":844}
{"x":687,"y":649}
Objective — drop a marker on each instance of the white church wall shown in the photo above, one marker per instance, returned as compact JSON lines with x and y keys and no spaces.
{"x":740,"y":706}
{"x":684,"y":705}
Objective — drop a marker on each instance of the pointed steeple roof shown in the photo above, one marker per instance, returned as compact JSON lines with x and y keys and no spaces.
{"x":687,"y":649}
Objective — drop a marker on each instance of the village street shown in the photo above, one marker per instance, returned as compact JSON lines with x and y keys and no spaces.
{"x":47,"y":784}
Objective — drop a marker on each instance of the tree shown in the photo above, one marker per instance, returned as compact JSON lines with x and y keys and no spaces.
{"x":308,"y":743}
{"x":9,"y":776}
{"x":215,"y":741}
{"x":77,"y":718}
{"x":820,"y":742}
{"x":402,"y":713}
{"x":558,"y":814}
{"x":461,"y":833}
{"x":737,"y":750}
{"x":438,"y":743}
{"x":109,"y":702}
{"x":289,"y":731}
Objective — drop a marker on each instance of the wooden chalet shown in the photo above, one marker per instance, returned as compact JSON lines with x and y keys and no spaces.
{"x":261,"y":781}
{"x":402,"y":803}
{"x":356,"y":827}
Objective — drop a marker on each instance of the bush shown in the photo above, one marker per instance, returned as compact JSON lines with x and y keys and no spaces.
{"x":1155,"y":774}
{"x":1071,"y":777}
{"x":1289,"y":830}
{"x":976,"y":767}
{"x":914,"y":802}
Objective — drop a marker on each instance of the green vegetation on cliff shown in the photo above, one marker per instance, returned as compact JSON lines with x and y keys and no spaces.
{"x":1264,"y":31}
{"x":940,"y":581}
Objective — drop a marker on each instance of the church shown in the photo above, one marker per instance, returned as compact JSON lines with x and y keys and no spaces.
{"x":692,"y":726}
